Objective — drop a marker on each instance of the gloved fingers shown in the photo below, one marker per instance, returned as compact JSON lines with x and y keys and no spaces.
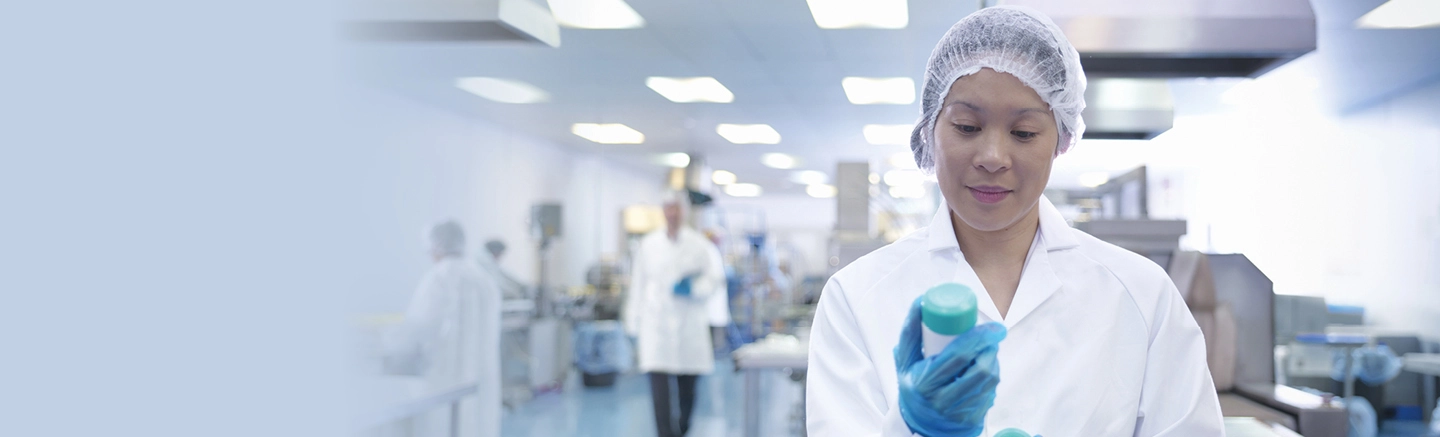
{"x":980,"y":377}
{"x":960,"y":352}
{"x":907,"y":352}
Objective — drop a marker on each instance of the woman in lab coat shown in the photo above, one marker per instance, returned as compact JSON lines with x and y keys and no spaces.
{"x":451,"y":333}
{"x":1096,"y":339}
{"x":675,"y":271}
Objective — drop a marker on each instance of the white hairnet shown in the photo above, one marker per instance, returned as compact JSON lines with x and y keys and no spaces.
{"x":1008,"y":39}
{"x":447,"y":239}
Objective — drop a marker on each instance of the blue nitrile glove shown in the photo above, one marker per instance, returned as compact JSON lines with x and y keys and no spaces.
{"x":682,"y":288}
{"x":948,"y":394}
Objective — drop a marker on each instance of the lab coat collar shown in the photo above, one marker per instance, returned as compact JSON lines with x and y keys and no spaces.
{"x":1037,"y":281}
{"x":1055,"y":233}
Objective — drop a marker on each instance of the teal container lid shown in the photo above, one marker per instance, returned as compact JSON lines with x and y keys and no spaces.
{"x":948,"y":309}
{"x":1012,"y":432}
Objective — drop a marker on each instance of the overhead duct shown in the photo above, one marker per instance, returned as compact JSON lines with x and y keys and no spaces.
{"x":1182,"y":38}
{"x":451,"y":20}
{"x":1127,"y":109}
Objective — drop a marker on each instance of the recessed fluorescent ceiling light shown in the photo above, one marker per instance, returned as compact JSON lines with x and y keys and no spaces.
{"x":879,"y":90}
{"x":676,"y":160}
{"x":690,"y":89}
{"x":742,"y":190}
{"x":903,"y":160}
{"x":778,"y":160}
{"x":1402,"y":14}
{"x":898,"y":178}
{"x":722,"y":177}
{"x":907,"y":191}
{"x":1094,"y":179}
{"x":748,"y":133}
{"x":821,"y":191}
{"x":502,"y":90}
{"x":608,"y":133}
{"x":850,"y":14}
{"x":596,"y":14}
{"x":888,"y":134}
{"x":809,"y":177}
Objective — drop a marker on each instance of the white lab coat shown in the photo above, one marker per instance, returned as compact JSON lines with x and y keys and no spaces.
{"x":453,"y":323}
{"x":673,"y":332}
{"x":1100,"y":342}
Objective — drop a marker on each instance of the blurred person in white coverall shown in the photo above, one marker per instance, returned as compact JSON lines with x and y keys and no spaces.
{"x":675,"y":271}
{"x":451,"y":337}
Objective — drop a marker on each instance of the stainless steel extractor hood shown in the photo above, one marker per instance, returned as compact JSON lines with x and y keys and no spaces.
{"x":1182,"y":38}
{"x":1127,"y":109}
{"x":451,"y":20}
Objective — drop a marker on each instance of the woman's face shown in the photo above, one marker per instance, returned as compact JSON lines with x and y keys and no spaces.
{"x":994,"y":144}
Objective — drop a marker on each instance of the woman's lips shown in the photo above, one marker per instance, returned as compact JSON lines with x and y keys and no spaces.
{"x":989,"y":194}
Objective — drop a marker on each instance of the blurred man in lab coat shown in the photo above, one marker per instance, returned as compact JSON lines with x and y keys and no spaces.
{"x":676,"y":270}
{"x":451,"y":335}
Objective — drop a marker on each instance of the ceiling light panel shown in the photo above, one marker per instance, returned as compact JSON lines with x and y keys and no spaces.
{"x":809,"y":177}
{"x":907,"y":191}
{"x":1402,"y":14}
{"x":779,"y":160}
{"x":903,"y":160}
{"x":675,"y":160}
{"x":608,"y":133}
{"x":858,"y":14}
{"x":748,"y":133}
{"x":897,"y":178}
{"x":820,"y":191}
{"x":690,"y":89}
{"x":743,"y":190}
{"x":722,"y":177}
{"x":502,"y":90}
{"x":879,"y":90}
{"x":888,"y":134}
{"x":596,"y":14}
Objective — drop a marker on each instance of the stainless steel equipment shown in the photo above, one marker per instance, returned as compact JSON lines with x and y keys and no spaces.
{"x":1182,"y":38}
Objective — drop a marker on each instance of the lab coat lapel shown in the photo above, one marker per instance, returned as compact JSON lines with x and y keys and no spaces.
{"x":965,"y":275}
{"x":1037,"y":283}
{"x":942,"y":244}
{"x":1038,"y":280}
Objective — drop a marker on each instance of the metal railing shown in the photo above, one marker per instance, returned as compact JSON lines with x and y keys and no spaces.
{"x":419,"y":406}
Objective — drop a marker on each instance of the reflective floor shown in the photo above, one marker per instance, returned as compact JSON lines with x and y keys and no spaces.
{"x":625,"y":409}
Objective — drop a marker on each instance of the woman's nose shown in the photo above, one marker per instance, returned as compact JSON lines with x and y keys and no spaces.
{"x":991,"y":156}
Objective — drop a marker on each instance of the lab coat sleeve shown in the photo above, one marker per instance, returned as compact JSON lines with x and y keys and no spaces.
{"x":633,"y":298}
{"x":712,"y":277}
{"x":1177,"y":397}
{"x":843,"y":395}
{"x":407,"y":343}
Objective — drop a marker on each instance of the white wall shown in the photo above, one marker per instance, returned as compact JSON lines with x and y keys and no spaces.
{"x":443,"y":165}
{"x":1345,"y":206}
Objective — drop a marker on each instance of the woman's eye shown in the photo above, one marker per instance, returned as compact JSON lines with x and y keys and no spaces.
{"x":1023,"y":134}
{"x":967,"y":129}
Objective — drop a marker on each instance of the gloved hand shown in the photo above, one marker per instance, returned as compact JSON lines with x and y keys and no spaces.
{"x":682,"y":287}
{"x":948,"y":394}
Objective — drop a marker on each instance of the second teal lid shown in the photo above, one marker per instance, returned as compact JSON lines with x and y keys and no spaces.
{"x":1012,"y":432}
{"x":948,"y":309}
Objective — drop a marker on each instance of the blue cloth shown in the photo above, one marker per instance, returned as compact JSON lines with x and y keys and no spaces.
{"x":1362,"y":417}
{"x":950,"y":393}
{"x":682,"y":288}
{"x":1373,"y":365}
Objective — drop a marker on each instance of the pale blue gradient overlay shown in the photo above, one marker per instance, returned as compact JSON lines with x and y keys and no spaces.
{"x":181,"y":218}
